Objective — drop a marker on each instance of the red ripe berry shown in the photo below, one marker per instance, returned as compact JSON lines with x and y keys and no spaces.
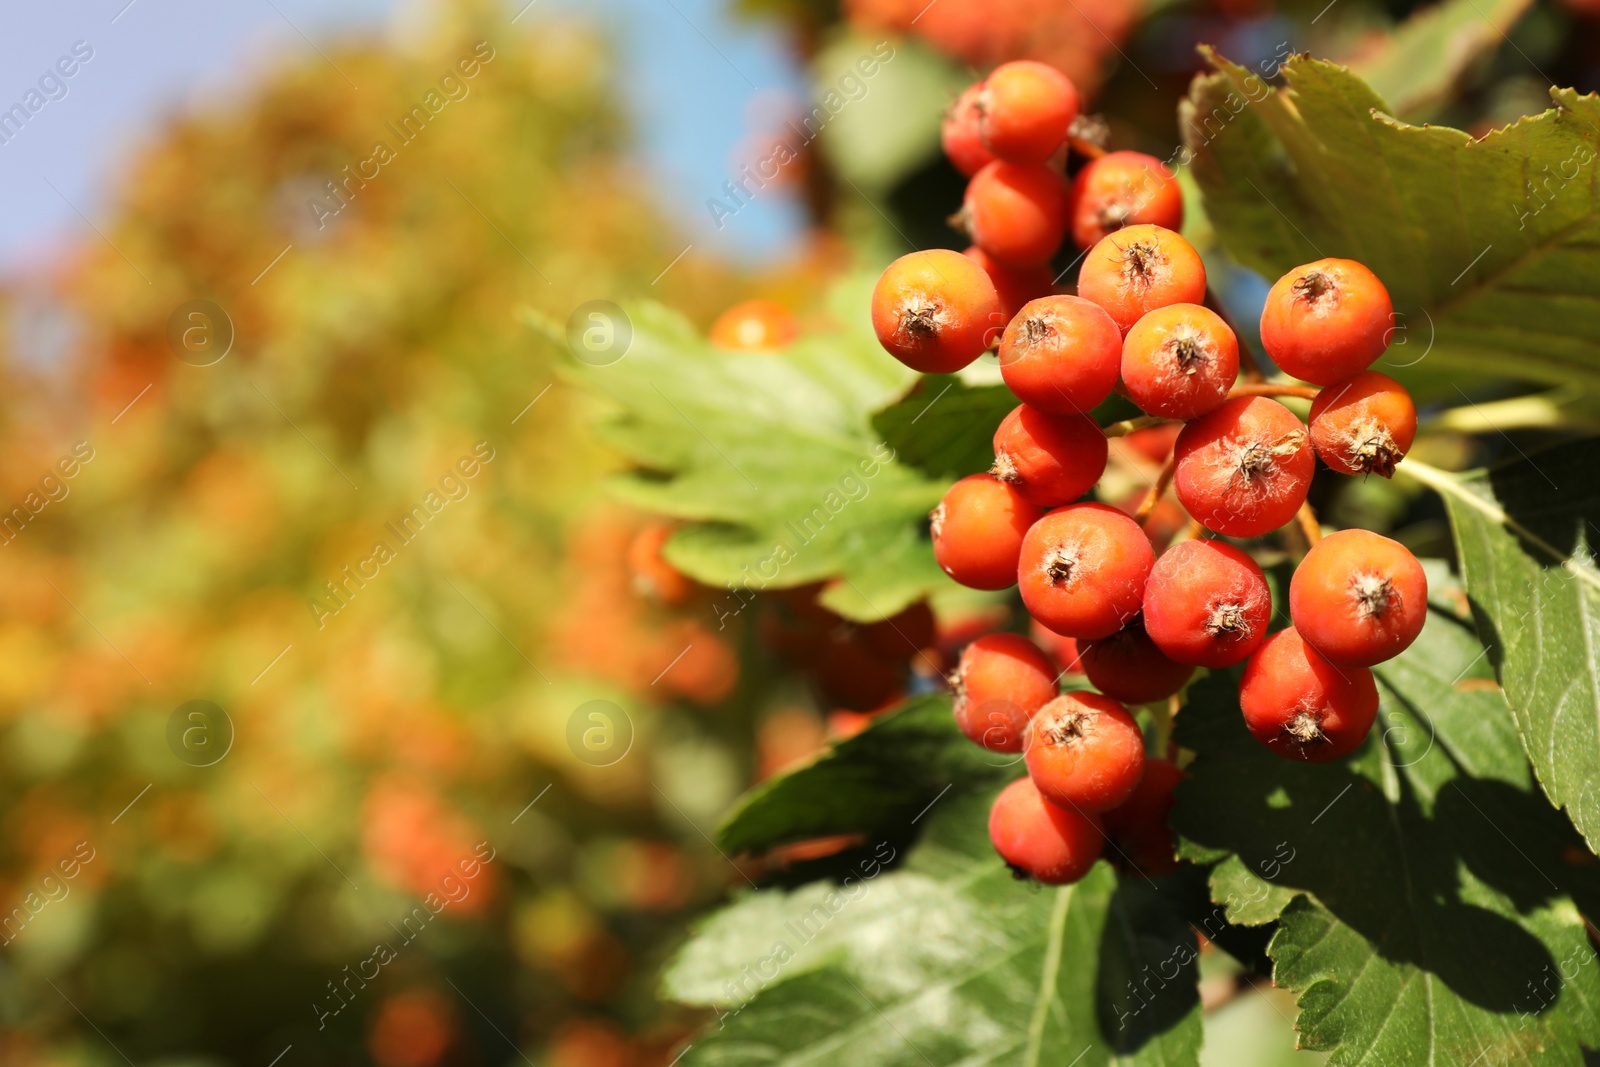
{"x":1327,"y":320}
{"x":1134,"y":271}
{"x":1015,"y":286}
{"x":1207,"y":604}
{"x":1364,"y":424}
{"x":1026,"y":109}
{"x":1063,"y":651}
{"x":1085,"y":752}
{"x":1137,"y":829}
{"x":935,"y":311}
{"x":1244,"y":469}
{"x":1051,"y":459}
{"x":959,"y":135}
{"x":1016,"y":212}
{"x":999,"y":682}
{"x":1303,"y":707}
{"x":1122,"y":189}
{"x":1040,"y":840}
{"x":1127,"y":666}
{"x":978,"y":529}
{"x":755,"y":326}
{"x":1359,"y":598}
{"x":1179,"y":361}
{"x":1061,"y":354}
{"x":1083,"y":569}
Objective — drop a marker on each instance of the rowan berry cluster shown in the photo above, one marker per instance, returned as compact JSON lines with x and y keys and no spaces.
{"x":1136,"y":625}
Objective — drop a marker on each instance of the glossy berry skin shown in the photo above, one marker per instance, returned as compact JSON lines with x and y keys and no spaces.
{"x":935,"y":311}
{"x":1301,"y":706}
{"x":1061,"y":354}
{"x":1127,"y":666}
{"x":1139,"y":838}
{"x":978,"y":529}
{"x":1040,"y":840}
{"x":1207,"y":604}
{"x":1016,"y":212}
{"x":1085,"y":752}
{"x":1138,"y":269}
{"x":1082,"y":570}
{"x":1359,"y":598}
{"x":1327,"y":320}
{"x":959,"y":136}
{"x":1243,"y":470}
{"x":1364,"y":424}
{"x":1122,"y":189}
{"x":1179,"y":361}
{"x":1016,"y":286}
{"x":755,"y":326}
{"x":1063,"y":651}
{"x":1025,"y":110}
{"x":998,"y":684}
{"x":1052,"y":459}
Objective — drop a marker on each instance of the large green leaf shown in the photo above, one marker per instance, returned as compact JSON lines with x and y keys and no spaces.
{"x":945,"y":427}
{"x":874,"y":782}
{"x":1429,"y":908}
{"x":775,"y":459}
{"x":1418,"y":64}
{"x":945,"y":958}
{"x":1525,"y":534}
{"x":1487,"y":245}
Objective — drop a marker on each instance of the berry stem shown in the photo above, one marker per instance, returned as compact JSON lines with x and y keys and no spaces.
{"x":1157,"y":488}
{"x":1309,"y":524}
{"x":1259,"y":388}
{"x":1127,"y":426}
{"x":1085,"y":147}
{"x":1247,"y":360}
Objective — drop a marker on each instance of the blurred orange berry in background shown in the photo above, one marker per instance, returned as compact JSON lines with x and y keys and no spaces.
{"x":755,"y":326}
{"x":412,"y":1029}
{"x":590,"y":1043}
{"x":653,"y":577}
{"x":1074,"y":38}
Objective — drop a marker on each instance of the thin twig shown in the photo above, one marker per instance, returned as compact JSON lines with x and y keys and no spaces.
{"x":1304,"y":392}
{"x":1157,"y":488}
{"x":1085,"y":147}
{"x":1127,"y":426}
{"x":1308,"y":524}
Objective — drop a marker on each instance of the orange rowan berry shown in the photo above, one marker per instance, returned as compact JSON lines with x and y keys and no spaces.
{"x":1327,"y":320}
{"x":1061,"y":354}
{"x":1364,"y":424}
{"x":1359,"y":598}
{"x":1122,"y":189}
{"x":978,"y":529}
{"x":1244,"y":469}
{"x":1016,"y":212}
{"x":1301,"y":706}
{"x":1138,"y":269}
{"x":1052,"y":459}
{"x":935,"y":311}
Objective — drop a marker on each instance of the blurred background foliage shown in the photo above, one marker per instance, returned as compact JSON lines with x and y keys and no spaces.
{"x":375,"y":748}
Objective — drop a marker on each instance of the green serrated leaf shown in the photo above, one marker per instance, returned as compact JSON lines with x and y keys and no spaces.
{"x":1486,"y":245}
{"x":883,"y":777}
{"x":1524,"y":532}
{"x":1428,"y":908}
{"x":945,"y":427}
{"x":945,"y":959}
{"x":774,"y":459}
{"x":1417,"y":65}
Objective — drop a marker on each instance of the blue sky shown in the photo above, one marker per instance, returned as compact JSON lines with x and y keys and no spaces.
{"x":693,"y":77}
